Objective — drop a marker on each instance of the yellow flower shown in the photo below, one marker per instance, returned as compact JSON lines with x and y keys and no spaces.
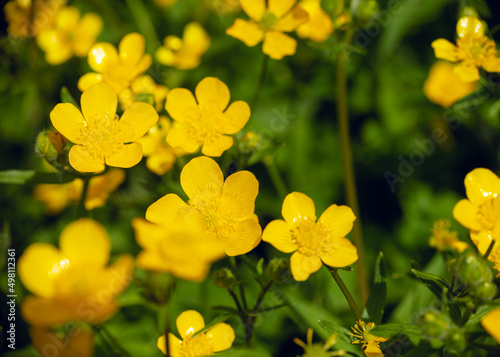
{"x":77,"y":343}
{"x":319,"y":27}
{"x":473,"y":50}
{"x":269,"y":24}
{"x":316,"y":349}
{"x":69,"y":35}
{"x":204,"y":121}
{"x":56,"y":197}
{"x":99,"y":134}
{"x":144,"y":85}
{"x":184,"y":53}
{"x":225,"y":6}
{"x":224,"y":210}
{"x":491,"y":325}
{"x":179,"y":249}
{"x":442,"y":238}
{"x":444,"y":87}
{"x":73,"y":283}
{"x":313,"y":242}
{"x":161,"y":156}
{"x":194,"y":343}
{"x":117,"y":68}
{"x":371,"y":343}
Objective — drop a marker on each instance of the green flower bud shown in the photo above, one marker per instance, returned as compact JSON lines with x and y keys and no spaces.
{"x":367,"y":10}
{"x":277,"y":270}
{"x":469,"y":11}
{"x":455,"y":339}
{"x":473,"y":270}
{"x":224,"y":278}
{"x":250,"y":142}
{"x":434,"y":324}
{"x":52,"y":146}
{"x":146,"y":98}
{"x":485,"y":291}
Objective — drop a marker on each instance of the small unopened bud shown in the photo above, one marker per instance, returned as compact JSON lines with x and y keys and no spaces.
{"x":434,"y":324}
{"x":342,"y":21}
{"x":51,"y":145}
{"x":224,"y":278}
{"x":146,"y":98}
{"x":469,"y":11}
{"x":367,"y":10}
{"x":277,"y":270}
{"x":485,"y":291}
{"x":456,"y":340}
{"x":473,"y":269}
{"x":250,"y":142}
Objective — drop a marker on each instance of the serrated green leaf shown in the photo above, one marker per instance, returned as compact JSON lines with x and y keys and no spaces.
{"x":375,"y":305}
{"x":29,"y":177}
{"x":66,"y":97}
{"x":482,"y":311}
{"x":342,"y":333}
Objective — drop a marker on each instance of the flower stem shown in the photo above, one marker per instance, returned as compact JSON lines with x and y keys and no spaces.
{"x":106,"y":336}
{"x":466,"y":315}
{"x":275,"y":175}
{"x":346,"y":292}
{"x":262,"y":293}
{"x":81,"y":206}
{"x":348,"y":166}
{"x":490,"y":248}
{"x":262,"y":77}
{"x":234,"y":268}
{"x":144,"y":23}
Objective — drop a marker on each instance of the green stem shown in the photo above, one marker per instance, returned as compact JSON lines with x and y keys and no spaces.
{"x":346,"y":292}
{"x":275,"y":175}
{"x":114,"y":344}
{"x":144,"y":23}
{"x":490,"y":248}
{"x":262,"y":77}
{"x":490,"y":348}
{"x":262,"y":293}
{"x":236,"y":301}
{"x":348,"y":166}
{"x":466,"y":315}
{"x":234,"y":268}
{"x":81,"y":206}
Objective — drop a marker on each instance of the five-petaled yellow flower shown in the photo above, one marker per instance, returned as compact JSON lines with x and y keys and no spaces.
{"x":76,"y":343}
{"x":73,"y":283}
{"x":319,"y":26}
{"x":371,"y":343}
{"x":224,"y":210}
{"x":491,"y":325}
{"x":316,"y":349}
{"x":269,"y":24}
{"x":99,"y":134}
{"x":204,"y":121}
{"x":313,"y":242}
{"x":184,"y":53}
{"x":117,"y":68}
{"x":194,"y":343}
{"x":69,"y":35}
{"x":473,"y":50}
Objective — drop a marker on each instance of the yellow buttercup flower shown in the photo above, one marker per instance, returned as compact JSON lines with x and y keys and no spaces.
{"x":70,"y":35}
{"x":223,"y":7}
{"x":313,"y":242}
{"x":117,"y":68}
{"x":316,"y":349}
{"x":144,"y":85}
{"x":473,"y":50}
{"x":99,"y":134}
{"x":56,"y":197}
{"x":444,"y":87}
{"x":180,"y":249}
{"x":224,"y":210}
{"x":443,"y":238}
{"x":491,"y":325}
{"x":371,"y":343}
{"x":269,"y":24}
{"x":160,"y":155}
{"x":194,"y":343}
{"x":319,"y":26}
{"x":204,"y":121}
{"x":77,"y":343}
{"x":184,"y":53}
{"x":73,"y":283}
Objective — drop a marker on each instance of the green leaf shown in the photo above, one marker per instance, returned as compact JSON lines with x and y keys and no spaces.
{"x":29,"y":177}
{"x":482,"y":311}
{"x":66,"y":97}
{"x":450,"y":306}
{"x":260,"y":266}
{"x":342,"y":333}
{"x":403,"y":332}
{"x":374,"y":309}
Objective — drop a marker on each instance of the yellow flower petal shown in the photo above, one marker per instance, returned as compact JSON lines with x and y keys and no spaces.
{"x":491,"y":325}
{"x":167,"y":211}
{"x":131,"y":48}
{"x":481,"y":185}
{"x":278,"y":234}
{"x":67,"y":18}
{"x":491,"y":64}
{"x":246,"y":31}
{"x":44,"y":312}
{"x":222,"y":336}
{"x":341,"y":252}
{"x":35,"y":266}
{"x":174,"y":345}
{"x":239,"y":193}
{"x":202,"y":177}
{"x":85,"y":35}
{"x":234,"y":118}
{"x":212,"y":94}
{"x":189,"y":322}
{"x":467,"y":72}
{"x":178,"y":137}
{"x":147,"y":234}
{"x":181,"y":105}
{"x":292,"y":20}
{"x":101,"y":186}
{"x":296,"y":207}
{"x":444,"y":49}
{"x":217,"y":145}
{"x":116,"y":278}
{"x":83,"y":160}
{"x":319,"y":27}
{"x":482,"y":240}
{"x":253,"y":8}
{"x":85,"y":242}
{"x":127,"y":156}
{"x":246,"y":236}
{"x":99,"y":101}
{"x":89,"y":79}
{"x":101,"y":56}
{"x":278,"y":45}
{"x":338,"y":219}
{"x":302,"y":266}
{"x":68,"y":120}
{"x":470,"y":26}
{"x":77,"y":344}
{"x":465,"y":213}
{"x":280,"y":7}
{"x":137,"y":120}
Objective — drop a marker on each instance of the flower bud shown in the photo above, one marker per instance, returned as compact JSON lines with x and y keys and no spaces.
{"x":455,"y":339}
{"x":434,"y":324}
{"x":250,"y":142}
{"x":473,"y":270}
{"x":146,"y":98}
{"x":277,"y":270}
{"x":469,"y":11}
{"x":367,"y":10}
{"x":485,"y":291}
{"x":342,"y":21}
{"x":51,"y":145}
{"x":224,"y":278}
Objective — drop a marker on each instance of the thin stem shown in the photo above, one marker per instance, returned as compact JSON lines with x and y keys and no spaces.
{"x":81,"y":206}
{"x":106,"y":335}
{"x":262,"y":77}
{"x":466,"y":315}
{"x":262,"y":293}
{"x":490,"y":248}
{"x":144,"y":23}
{"x":346,"y":292}
{"x":275,"y":175}
{"x":234,"y":268}
{"x":348,"y":166}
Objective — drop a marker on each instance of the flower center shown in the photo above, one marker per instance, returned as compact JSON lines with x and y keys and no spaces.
{"x":488,"y":216}
{"x":214,"y":222}
{"x":100,"y":135}
{"x":268,"y":21}
{"x":312,"y":238}
{"x":203,"y":128}
{"x":197,"y":346}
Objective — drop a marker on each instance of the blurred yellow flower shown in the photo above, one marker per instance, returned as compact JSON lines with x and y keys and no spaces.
{"x":73,"y":283}
{"x":217,"y":338}
{"x":224,"y":210}
{"x":444,"y":87}
{"x":316,"y":349}
{"x":319,"y":26}
{"x":144,"y":85}
{"x":269,"y":23}
{"x":70,"y":35}
{"x":117,"y":68}
{"x":99,"y":134}
{"x":313,"y":242}
{"x":371,"y":343}
{"x":473,"y":50}
{"x":491,"y":325}
{"x":77,"y":343}
{"x":184,"y":53}
{"x":204,"y":121}
{"x":443,"y":238}
{"x":180,"y":249}
{"x":222,"y":7}
{"x":160,"y":155}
